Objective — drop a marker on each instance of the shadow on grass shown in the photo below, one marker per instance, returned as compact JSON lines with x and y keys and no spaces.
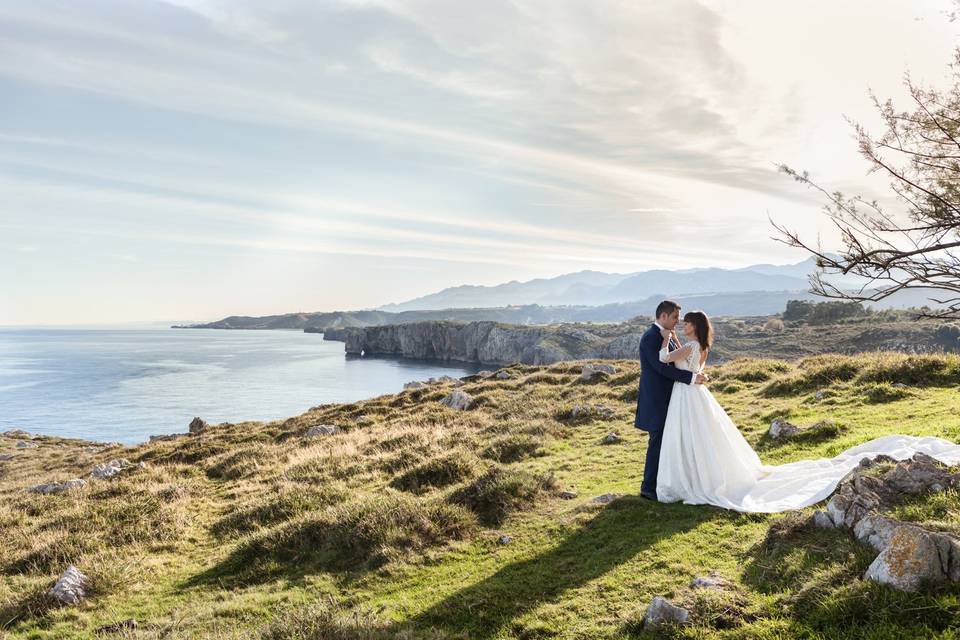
{"x":624,"y":529}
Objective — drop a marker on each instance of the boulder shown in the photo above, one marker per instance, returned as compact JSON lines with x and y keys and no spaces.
{"x":711,"y":581}
{"x":503,"y":375}
{"x":606,"y":498}
{"x":322,"y":430}
{"x":661,"y":612}
{"x":70,"y":588}
{"x":19,"y":434}
{"x":505,"y":539}
{"x":24,"y":444}
{"x":612,"y":438}
{"x":588,"y":411}
{"x":458,"y":400}
{"x":591,"y":371}
{"x":198,"y":426}
{"x":780,"y":429}
{"x":4,"y":457}
{"x":109,"y":469}
{"x":875,"y":530}
{"x":823,"y":520}
{"x":413,"y":386}
{"x":568,"y":495}
{"x":898,"y":385}
{"x":58,"y":487}
{"x":910,"y":559}
{"x":819,"y":395}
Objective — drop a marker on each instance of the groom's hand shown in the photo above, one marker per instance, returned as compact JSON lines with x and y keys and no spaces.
{"x":701,"y":379}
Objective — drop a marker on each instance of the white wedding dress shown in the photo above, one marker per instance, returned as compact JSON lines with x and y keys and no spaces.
{"x":705,"y":460}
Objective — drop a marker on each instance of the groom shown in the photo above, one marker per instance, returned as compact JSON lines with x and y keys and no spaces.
{"x":656,"y":387}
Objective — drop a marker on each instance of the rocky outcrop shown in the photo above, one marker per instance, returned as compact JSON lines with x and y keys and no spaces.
{"x":910,"y":556}
{"x":198,"y":426}
{"x":491,"y":342}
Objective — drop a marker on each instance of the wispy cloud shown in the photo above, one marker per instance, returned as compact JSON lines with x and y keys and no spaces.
{"x":510,"y":138}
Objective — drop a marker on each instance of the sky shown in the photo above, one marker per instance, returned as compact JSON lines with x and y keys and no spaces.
{"x":185,"y":160}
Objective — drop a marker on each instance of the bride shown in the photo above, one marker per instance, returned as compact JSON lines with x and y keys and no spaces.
{"x":705,"y":459}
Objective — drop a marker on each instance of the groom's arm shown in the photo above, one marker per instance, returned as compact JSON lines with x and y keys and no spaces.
{"x":649,"y":351}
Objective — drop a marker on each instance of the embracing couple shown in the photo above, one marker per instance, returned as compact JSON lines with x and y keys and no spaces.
{"x":696,"y":454}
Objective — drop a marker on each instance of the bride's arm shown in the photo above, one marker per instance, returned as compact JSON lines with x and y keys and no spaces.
{"x":672,"y":356}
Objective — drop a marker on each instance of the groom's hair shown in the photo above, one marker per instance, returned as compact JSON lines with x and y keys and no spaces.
{"x":667,"y":307}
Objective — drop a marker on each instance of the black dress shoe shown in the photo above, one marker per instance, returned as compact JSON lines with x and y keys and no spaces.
{"x":648,"y":496}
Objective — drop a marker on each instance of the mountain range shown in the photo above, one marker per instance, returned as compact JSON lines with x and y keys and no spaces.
{"x":595,"y":288}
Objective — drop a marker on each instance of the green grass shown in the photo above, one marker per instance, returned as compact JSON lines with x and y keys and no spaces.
{"x":390,"y":529}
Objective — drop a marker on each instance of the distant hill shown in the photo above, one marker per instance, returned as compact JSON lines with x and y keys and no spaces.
{"x":749,"y":303}
{"x":596,"y":288}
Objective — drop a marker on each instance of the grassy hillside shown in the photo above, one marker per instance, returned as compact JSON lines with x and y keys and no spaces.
{"x":392,"y":528}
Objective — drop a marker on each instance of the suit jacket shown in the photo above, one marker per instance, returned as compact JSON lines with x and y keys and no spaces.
{"x":656,"y":382}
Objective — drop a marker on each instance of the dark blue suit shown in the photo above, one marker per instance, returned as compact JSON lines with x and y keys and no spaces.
{"x":653,"y":398}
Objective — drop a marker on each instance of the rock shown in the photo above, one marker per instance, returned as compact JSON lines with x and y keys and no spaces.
{"x":823,"y":520}
{"x":414,"y":386}
{"x":568,"y":495}
{"x":116,"y":627}
{"x":58,"y":487}
{"x":458,"y":400}
{"x":19,"y":434}
{"x":898,"y":385}
{"x":587,"y":411}
{"x":322,"y":430}
{"x":606,"y":498}
{"x":780,"y":428}
{"x":169,"y":436}
{"x":4,"y":457}
{"x":23,"y":444}
{"x":710,"y":581}
{"x":503,"y":375}
{"x":876,"y":531}
{"x":591,"y":371}
{"x":505,"y":539}
{"x":909,"y":560}
{"x":661,"y":612}
{"x":70,"y":588}
{"x":819,"y":395}
{"x":486,"y":373}
{"x":612,"y":438}
{"x":198,"y":426}
{"x":109,"y":469}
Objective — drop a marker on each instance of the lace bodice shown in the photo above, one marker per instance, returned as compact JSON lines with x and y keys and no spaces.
{"x":692,"y":361}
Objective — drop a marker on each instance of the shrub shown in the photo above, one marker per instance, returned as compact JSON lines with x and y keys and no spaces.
{"x":885,"y":392}
{"x":366,"y":532}
{"x":499,"y":492}
{"x":511,"y":448}
{"x":286,"y":503}
{"x":443,"y":470}
{"x":773,"y":325}
{"x":815,"y":372}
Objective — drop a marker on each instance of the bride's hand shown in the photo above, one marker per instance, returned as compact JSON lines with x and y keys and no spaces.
{"x":665,"y":333}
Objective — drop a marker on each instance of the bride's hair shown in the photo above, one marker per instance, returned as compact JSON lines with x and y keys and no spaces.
{"x":703,"y":327}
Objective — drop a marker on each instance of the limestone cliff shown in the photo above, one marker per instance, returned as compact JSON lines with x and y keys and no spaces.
{"x":491,"y":342}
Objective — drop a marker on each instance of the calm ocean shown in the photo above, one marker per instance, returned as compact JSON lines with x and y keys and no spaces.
{"x":125,"y":385}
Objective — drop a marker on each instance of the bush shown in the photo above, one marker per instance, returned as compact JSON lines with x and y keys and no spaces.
{"x":773,"y":325}
{"x":499,"y":492}
{"x":286,"y":503}
{"x":511,"y":448}
{"x":441,"y":471}
{"x":363,"y":533}
{"x":885,"y":392}
{"x":814,"y":373}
